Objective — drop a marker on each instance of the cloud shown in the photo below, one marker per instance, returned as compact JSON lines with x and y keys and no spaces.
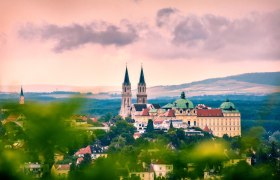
{"x":173,"y":36}
{"x":190,"y":31}
{"x":256,"y":36}
{"x":75,"y":35}
{"x":164,"y":14}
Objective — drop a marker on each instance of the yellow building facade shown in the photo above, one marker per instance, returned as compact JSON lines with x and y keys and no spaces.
{"x":225,"y":119}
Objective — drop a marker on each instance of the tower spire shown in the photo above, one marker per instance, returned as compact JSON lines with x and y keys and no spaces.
{"x":21,"y":98}
{"x":141,"y":94}
{"x":126,"y":96}
{"x":21,"y":91}
{"x":126,"y":77}
{"x":142,"y":78}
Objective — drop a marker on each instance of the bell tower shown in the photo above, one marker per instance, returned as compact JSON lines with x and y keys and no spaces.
{"x":126,"y":96}
{"x":21,"y":98}
{"x":141,"y":90}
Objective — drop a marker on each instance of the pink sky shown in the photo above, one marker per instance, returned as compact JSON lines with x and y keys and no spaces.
{"x":88,"y":42}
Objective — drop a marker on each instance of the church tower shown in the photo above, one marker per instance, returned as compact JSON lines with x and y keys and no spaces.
{"x":21,"y":98}
{"x":141,"y":94}
{"x":126,"y":96}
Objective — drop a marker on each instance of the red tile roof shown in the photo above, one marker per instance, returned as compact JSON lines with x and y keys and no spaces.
{"x":86,"y":150}
{"x":201,"y":106}
{"x":170,"y":113}
{"x":206,"y":129}
{"x":136,"y":135}
{"x":62,"y":166}
{"x":209,"y":113}
{"x":145,"y":112}
{"x":158,"y":121}
{"x":94,"y":119}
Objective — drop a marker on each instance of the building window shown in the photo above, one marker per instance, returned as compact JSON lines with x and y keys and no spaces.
{"x":194,"y":123}
{"x":189,"y":123}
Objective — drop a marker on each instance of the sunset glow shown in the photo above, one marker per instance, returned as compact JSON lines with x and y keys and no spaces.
{"x":89,"y":42}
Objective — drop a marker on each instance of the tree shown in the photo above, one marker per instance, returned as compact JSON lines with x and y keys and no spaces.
{"x":118,"y":118}
{"x":117,"y":143}
{"x":150,"y":126}
{"x":171,"y":125}
{"x":243,"y":170}
{"x":180,"y":133}
{"x":47,"y":128}
{"x":121,"y":128}
{"x":129,"y":120}
{"x":226,"y":137}
{"x":2,"y":129}
{"x":87,"y":161}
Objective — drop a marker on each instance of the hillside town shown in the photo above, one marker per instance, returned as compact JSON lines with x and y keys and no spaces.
{"x":145,"y":141}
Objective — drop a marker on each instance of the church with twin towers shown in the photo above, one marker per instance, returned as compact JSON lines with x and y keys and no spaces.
{"x":126,"y":104}
{"x":218,"y":121}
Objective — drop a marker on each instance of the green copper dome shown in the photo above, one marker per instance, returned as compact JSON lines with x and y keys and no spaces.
{"x":227,"y":105}
{"x":167,"y":106}
{"x":183,"y":104}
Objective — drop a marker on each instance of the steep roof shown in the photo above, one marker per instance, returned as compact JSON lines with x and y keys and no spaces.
{"x":21,"y":91}
{"x":126,"y":78}
{"x":140,"y":107}
{"x":142,"y":78}
{"x":156,"y":106}
{"x":86,"y":150}
{"x":169,"y":113}
{"x":145,"y":112}
{"x":206,"y":129}
{"x":209,"y":113}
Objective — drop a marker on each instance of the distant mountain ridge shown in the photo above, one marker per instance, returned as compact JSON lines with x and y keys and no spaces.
{"x":244,"y":84}
{"x":267,"y":78}
{"x":249,"y":83}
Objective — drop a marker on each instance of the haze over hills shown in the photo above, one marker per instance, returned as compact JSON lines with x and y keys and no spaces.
{"x":243,"y":84}
{"x":249,"y":83}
